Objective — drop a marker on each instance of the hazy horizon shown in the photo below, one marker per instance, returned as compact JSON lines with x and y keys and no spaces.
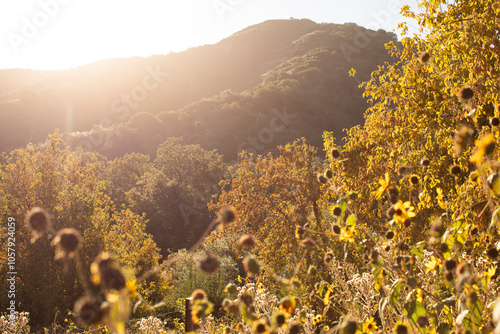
{"x":64,"y":34}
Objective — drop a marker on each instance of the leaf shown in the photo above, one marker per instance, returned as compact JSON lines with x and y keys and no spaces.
{"x":351,"y":221}
{"x":342,"y":204}
{"x":418,"y":250}
{"x":413,"y":310}
{"x":394,"y":294}
{"x":381,"y":308}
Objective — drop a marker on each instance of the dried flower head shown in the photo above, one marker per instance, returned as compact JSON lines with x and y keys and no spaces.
{"x":422,"y":321}
{"x":448,"y":275}
{"x":209,"y":264}
{"x":337,"y":211}
{"x":492,"y":252}
{"x":450,"y":264}
{"x":463,"y":268}
{"x":455,"y":170}
{"x":89,"y":310}
{"x":495,"y":121}
{"x":402,"y":170}
{"x":247,"y":240}
{"x":414,"y":179}
{"x":424,"y":56}
{"x":251,"y":266}
{"x":295,"y":328}
{"x":38,"y":221}
{"x":336,"y":229}
{"x":67,"y":241}
{"x":328,"y":258}
{"x":389,"y":235}
{"x":328,"y":174}
{"x":351,"y":327}
{"x":335,"y":153}
{"x":198,"y":294}
{"x":307,"y":242}
{"x":466,"y":93}
{"x":425,"y":162}
{"x":322,"y":179}
{"x":227,"y":215}
{"x":401,"y":329}
{"x":106,"y":272}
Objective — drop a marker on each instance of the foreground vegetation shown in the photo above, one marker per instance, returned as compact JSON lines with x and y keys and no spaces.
{"x":395,"y":231}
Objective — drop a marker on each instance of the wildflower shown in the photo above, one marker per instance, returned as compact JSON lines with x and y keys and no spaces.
{"x":247,"y":240}
{"x":295,"y":328}
{"x":39,"y":222}
{"x":198,"y":294}
{"x":439,"y":198}
{"x":384,"y":183}
{"x":466,"y":93}
{"x":279,"y":319}
{"x":455,"y":170}
{"x":347,"y":234}
{"x":337,"y":211}
{"x":209,"y":264}
{"x":308,"y":242}
{"x":393,"y":195}
{"x":317,"y":319}
{"x":132,"y":288}
{"x":106,"y":272}
{"x":67,"y":241}
{"x":432,"y":264}
{"x":422,"y":321}
{"x":328,"y":258}
{"x":321,"y":179}
{"x":201,"y":309}
{"x":492,"y":253}
{"x":287,"y":304}
{"x":299,"y":232}
{"x":312,"y":270}
{"x":350,"y":327}
{"x":228,"y":215}
{"x":335,"y":153}
{"x":400,"y":328}
{"x":450,"y":264}
{"x":425,"y":162}
{"x":336,"y":229}
{"x":260,"y":326}
{"x":485,"y":146}
{"x":403,"y":211}
{"x":424,"y":56}
{"x":89,"y":310}
{"x":369,"y":326}
{"x":251,"y":266}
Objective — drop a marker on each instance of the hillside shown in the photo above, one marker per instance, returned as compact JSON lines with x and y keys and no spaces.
{"x":220,"y":96}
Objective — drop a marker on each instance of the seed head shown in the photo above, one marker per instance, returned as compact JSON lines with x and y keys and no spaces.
{"x":393,"y":195}
{"x":414,"y":179}
{"x":251,"y":266}
{"x":329,"y":174}
{"x":466,"y":93}
{"x":425,"y":162}
{"x":455,"y":170}
{"x":328,"y":258}
{"x":228,"y":215}
{"x":335,"y":153}
{"x":402,"y":170}
{"x":350,"y":327}
{"x":307,"y":242}
{"x":247,"y":240}
{"x":389,"y":235}
{"x":38,"y":221}
{"x":391,"y":212}
{"x":450,"y":264}
{"x":337,"y":211}
{"x":463,"y":268}
{"x":401,"y":329}
{"x":209,"y":264}
{"x":424,"y":56}
{"x":295,"y":328}
{"x":422,"y":321}
{"x":89,"y":310}
{"x":198,"y":294}
{"x":448,"y":275}
{"x":67,"y":241}
{"x":312,"y":270}
{"x":495,"y":121}
{"x":322,"y":179}
{"x":407,"y":223}
{"x":336,"y":229}
{"x":492,"y":252}
{"x":106,"y":272}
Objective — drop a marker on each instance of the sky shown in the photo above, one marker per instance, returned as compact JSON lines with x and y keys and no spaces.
{"x":62,"y":34}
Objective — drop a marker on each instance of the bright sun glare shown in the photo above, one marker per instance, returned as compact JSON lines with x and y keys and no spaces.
{"x":58,"y":34}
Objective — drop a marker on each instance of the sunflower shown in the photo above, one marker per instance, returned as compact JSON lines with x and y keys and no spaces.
{"x":403,"y":211}
{"x":384,"y":183}
{"x":369,"y":326}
